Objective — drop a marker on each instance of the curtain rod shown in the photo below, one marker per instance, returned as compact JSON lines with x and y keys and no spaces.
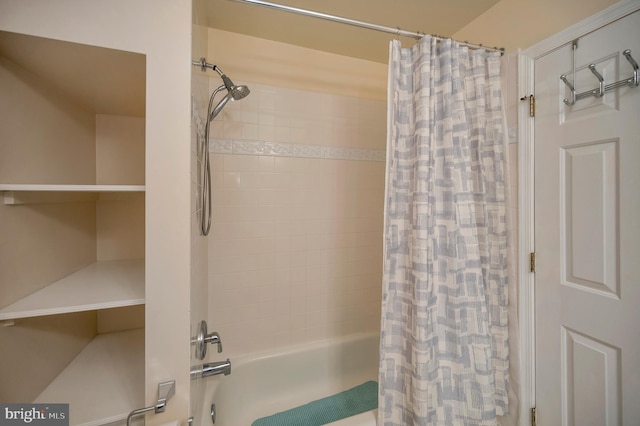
{"x":354,"y":22}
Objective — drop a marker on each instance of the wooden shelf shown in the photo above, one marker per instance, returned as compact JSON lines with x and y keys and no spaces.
{"x":37,"y":193}
{"x":101,"y":285}
{"x":71,"y":188}
{"x":104,"y":383}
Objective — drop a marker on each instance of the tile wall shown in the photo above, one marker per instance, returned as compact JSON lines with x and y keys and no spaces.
{"x":295,"y":252}
{"x":296,"y":244}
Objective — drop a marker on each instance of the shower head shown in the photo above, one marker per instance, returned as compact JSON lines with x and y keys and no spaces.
{"x":236,"y":92}
{"x":233,"y":94}
{"x":239,"y":92}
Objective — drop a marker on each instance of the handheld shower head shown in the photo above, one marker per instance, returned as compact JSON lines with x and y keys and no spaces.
{"x":239,"y":92}
{"x":226,"y":80}
{"x":234,"y":93}
{"x":219,"y":106}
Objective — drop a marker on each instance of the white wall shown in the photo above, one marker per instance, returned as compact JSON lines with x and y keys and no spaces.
{"x":285,"y":65}
{"x":514,"y":24}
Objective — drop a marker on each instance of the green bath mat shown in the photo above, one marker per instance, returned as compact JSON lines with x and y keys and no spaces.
{"x":326,"y":410}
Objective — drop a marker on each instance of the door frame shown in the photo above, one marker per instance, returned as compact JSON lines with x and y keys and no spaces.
{"x":526,"y":194}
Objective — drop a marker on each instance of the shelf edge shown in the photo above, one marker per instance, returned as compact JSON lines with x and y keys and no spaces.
{"x":15,"y":194}
{"x":68,"y":310}
{"x":70,"y":187}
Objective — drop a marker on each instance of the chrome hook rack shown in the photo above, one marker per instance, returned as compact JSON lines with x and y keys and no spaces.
{"x":571,"y":101}
{"x":599,"y":92}
{"x":634,"y":65}
{"x":633,"y":81}
{"x":563,"y":77}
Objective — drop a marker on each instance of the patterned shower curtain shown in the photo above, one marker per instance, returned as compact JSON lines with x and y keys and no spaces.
{"x":444,"y":347}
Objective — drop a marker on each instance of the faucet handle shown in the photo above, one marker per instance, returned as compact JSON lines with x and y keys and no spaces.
{"x":214,"y":338}
{"x":202,"y":338}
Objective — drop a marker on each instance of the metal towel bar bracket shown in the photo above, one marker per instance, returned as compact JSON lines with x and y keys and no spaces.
{"x":633,"y":81}
{"x":165,"y":391}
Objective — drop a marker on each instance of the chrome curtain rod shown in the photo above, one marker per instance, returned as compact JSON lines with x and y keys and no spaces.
{"x":354,"y":22}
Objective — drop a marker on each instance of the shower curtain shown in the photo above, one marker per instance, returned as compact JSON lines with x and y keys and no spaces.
{"x":444,"y":357}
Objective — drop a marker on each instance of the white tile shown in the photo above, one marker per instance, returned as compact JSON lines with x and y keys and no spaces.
{"x":250,"y":116}
{"x":267,"y":100}
{"x":267,"y":132}
{"x":250,"y":131}
{"x":296,"y":234}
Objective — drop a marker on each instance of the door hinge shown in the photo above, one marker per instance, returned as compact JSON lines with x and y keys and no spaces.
{"x":533,"y":416}
{"x":532,"y":262}
{"x":532,"y":104}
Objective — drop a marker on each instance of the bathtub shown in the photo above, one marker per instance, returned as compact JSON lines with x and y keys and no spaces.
{"x":267,"y":383}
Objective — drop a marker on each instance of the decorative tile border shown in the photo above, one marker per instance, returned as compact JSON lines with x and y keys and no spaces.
{"x":282,"y":149}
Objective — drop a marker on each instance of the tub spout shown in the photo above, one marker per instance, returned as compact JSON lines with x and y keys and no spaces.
{"x":212,"y":369}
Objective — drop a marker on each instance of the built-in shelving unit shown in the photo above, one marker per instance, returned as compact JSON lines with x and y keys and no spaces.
{"x":73,"y":252}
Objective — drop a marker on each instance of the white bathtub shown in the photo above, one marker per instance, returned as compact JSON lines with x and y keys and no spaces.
{"x":267,"y":383}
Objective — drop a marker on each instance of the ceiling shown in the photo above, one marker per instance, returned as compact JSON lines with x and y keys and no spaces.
{"x":438,"y":17}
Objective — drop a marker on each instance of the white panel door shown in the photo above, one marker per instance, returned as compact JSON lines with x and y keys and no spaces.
{"x":587,"y":234}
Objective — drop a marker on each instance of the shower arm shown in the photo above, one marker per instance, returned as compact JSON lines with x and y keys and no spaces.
{"x":203,"y":64}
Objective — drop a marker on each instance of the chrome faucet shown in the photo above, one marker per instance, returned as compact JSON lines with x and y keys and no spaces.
{"x":212,"y":369}
{"x":214,"y":339}
{"x":202,"y":338}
